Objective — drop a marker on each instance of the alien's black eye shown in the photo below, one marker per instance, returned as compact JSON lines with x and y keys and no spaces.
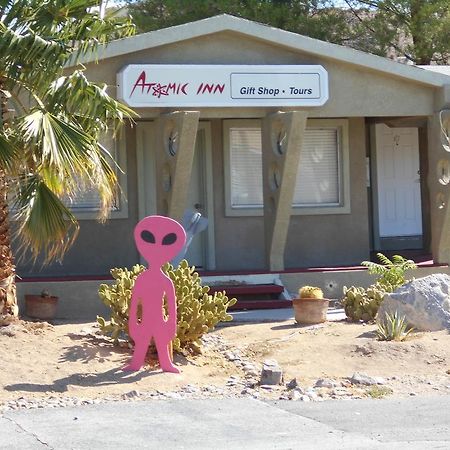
{"x":169,"y":239}
{"x":147,"y":236}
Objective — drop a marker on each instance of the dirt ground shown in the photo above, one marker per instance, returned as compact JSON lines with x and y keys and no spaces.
{"x":40,"y":360}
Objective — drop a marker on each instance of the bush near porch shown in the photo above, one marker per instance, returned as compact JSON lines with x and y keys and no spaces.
{"x":197,"y":311}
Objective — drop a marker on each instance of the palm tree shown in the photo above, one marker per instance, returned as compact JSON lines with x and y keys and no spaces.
{"x":51,"y":122}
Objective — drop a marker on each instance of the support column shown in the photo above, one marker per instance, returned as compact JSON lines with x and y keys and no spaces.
{"x":282,"y":137}
{"x":175,"y":144}
{"x":439,"y":178}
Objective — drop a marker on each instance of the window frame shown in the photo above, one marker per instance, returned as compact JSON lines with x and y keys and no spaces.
{"x":344,"y":207}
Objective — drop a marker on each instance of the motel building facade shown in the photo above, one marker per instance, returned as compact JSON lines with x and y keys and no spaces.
{"x":300,"y":153}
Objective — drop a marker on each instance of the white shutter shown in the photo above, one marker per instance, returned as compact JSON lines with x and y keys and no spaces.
{"x":318,"y":175}
{"x":246,"y":167}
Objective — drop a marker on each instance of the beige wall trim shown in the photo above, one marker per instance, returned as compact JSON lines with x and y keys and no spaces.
{"x":282,"y":135}
{"x":439,"y":186}
{"x":176,"y":134}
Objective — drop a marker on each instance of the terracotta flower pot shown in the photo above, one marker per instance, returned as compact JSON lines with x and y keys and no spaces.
{"x":41,"y":307}
{"x":310,"y":310}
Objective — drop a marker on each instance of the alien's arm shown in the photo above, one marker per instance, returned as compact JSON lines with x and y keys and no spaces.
{"x":132,"y":313}
{"x":171,"y":306}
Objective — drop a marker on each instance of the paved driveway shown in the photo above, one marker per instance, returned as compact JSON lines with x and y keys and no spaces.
{"x":413,"y":423}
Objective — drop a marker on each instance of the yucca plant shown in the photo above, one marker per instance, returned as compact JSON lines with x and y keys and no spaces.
{"x":393,"y":328}
{"x":391,"y":273}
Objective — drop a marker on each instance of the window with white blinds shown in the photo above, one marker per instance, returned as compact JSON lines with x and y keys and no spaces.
{"x":318,"y":174}
{"x":86,"y":202}
{"x":317,"y":178}
{"x":245,"y":168}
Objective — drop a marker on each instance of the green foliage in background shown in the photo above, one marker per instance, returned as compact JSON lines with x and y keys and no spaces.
{"x":362,"y":304}
{"x":391,"y":273}
{"x":198,"y":312}
{"x":315,"y":18}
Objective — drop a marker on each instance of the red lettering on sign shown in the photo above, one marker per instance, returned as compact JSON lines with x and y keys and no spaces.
{"x":140,"y":82}
{"x":158,"y":89}
{"x":210,"y":88}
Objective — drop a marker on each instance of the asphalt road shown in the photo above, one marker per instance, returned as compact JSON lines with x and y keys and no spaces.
{"x":412,"y":423}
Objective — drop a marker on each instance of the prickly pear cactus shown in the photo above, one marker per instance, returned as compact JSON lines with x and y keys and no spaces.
{"x":197,"y":311}
{"x":362,"y":304}
{"x":117,"y":297}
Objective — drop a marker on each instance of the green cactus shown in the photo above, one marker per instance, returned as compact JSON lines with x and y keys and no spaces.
{"x":197,"y":311}
{"x":362,"y":304}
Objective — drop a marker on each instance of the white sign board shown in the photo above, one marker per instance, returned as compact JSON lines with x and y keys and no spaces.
{"x":157,"y":85}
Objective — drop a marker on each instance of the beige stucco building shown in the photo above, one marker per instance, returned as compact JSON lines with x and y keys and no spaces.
{"x":283,"y":185}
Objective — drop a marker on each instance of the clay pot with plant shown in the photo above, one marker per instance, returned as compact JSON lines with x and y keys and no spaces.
{"x":310,"y":307}
{"x":41,"y":306}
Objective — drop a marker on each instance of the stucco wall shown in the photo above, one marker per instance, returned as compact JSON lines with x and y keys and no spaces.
{"x":312,"y":241}
{"x":354,"y":92}
{"x":315,"y":240}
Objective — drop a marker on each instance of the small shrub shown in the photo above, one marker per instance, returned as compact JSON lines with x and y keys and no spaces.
{"x":378,"y":391}
{"x":362,"y":304}
{"x":197,"y":311}
{"x":391,"y":273}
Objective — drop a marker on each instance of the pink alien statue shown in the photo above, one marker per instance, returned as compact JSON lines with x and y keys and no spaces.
{"x":158,"y":239}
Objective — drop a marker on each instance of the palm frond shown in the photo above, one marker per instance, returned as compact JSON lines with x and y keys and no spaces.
{"x":86,"y":102}
{"x":45,"y":222}
{"x":8,"y":154}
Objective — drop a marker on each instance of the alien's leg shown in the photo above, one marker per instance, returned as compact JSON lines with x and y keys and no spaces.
{"x":162,"y":346}
{"x":140,"y":351}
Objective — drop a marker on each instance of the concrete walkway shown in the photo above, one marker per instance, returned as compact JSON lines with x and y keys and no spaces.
{"x":277,"y":315}
{"x":413,"y":423}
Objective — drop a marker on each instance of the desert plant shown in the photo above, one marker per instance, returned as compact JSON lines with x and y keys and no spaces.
{"x":310,"y":292}
{"x":117,"y":297}
{"x":197,"y":311}
{"x":391,"y":273}
{"x":378,"y":392}
{"x":362,"y":304}
{"x":393,"y":328}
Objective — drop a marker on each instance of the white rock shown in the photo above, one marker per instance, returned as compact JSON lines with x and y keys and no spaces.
{"x":425,"y":303}
{"x":295,"y":394}
{"x":326,"y":383}
{"x":271,"y":373}
{"x":362,"y":378}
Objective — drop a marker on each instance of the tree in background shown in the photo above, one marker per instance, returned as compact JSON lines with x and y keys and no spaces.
{"x":315,"y":18}
{"x":51,"y":121}
{"x":419,"y":30}
{"x":416,"y":29}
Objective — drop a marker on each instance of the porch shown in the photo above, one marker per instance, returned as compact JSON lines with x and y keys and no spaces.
{"x":79,"y":301}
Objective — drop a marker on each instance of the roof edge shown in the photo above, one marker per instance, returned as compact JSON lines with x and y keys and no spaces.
{"x":266,"y":33}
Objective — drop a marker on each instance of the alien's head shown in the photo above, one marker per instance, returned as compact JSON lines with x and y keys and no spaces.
{"x":159,"y":239}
